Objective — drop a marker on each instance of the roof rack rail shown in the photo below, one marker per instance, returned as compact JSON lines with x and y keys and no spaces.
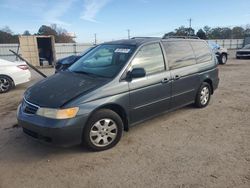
{"x":180,"y":37}
{"x":145,"y":38}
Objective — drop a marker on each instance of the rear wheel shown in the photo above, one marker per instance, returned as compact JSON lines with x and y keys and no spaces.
{"x":203,"y":95}
{"x":103,"y":130}
{"x":5,"y":84}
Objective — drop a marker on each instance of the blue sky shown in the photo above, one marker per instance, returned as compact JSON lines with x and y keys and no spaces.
{"x":110,"y":19}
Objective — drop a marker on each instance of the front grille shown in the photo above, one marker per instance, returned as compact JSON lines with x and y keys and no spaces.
{"x":29,"y":108}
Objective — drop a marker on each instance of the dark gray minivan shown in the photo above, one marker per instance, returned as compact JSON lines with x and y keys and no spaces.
{"x":117,"y":85}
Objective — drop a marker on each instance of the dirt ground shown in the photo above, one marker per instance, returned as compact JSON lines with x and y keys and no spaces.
{"x":188,"y":148}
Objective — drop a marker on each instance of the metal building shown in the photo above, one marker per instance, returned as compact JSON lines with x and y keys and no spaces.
{"x":38,"y":50}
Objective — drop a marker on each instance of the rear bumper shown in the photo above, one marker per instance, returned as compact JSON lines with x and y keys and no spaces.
{"x":23,"y":77}
{"x":216,"y":80}
{"x":63,"y":133}
{"x":216,"y":83}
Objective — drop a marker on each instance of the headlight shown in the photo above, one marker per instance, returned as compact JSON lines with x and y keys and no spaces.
{"x":58,"y":113}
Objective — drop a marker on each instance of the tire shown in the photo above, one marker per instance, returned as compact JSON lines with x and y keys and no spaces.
{"x":203,"y":95}
{"x":5,"y":84}
{"x":103,"y":130}
{"x":223,"y":59}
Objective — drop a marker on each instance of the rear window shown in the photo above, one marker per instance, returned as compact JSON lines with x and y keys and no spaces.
{"x":202,"y":51}
{"x":179,"y":54}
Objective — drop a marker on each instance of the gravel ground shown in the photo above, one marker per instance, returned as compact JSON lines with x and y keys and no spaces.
{"x":188,"y":148}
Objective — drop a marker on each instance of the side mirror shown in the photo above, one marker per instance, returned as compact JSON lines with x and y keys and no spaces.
{"x":137,"y":73}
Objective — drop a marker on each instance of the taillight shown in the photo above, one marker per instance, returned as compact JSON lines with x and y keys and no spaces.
{"x":23,"y":67}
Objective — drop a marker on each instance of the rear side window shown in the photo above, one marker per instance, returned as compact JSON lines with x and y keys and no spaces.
{"x":150,"y":58}
{"x":202,"y":51}
{"x":179,"y":54}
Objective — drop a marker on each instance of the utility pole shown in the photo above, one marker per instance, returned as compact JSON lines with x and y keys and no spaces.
{"x":95,"y":39}
{"x":190,"y":25}
{"x":128,"y":33}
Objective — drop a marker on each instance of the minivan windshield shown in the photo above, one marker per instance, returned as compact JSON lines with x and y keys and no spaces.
{"x":105,"y":60}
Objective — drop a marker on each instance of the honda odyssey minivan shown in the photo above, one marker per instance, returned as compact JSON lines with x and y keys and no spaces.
{"x":117,"y":85}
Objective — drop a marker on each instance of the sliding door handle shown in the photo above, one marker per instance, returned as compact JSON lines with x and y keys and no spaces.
{"x":165,"y":80}
{"x":177,"y":77}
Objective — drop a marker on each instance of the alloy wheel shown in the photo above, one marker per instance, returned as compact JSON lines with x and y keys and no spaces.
{"x":4,"y":84}
{"x":103,"y":132}
{"x":204,"y":97}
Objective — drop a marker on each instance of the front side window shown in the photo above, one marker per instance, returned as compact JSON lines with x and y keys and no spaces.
{"x":105,"y":60}
{"x":150,"y":58}
{"x":179,"y":54}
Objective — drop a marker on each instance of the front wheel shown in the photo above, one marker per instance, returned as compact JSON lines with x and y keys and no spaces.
{"x":223,"y":59}
{"x":203,"y":95}
{"x":103,"y":130}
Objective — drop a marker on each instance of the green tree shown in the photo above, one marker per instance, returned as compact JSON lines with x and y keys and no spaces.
{"x":6,"y":38}
{"x":60,"y":34}
{"x":170,"y":34}
{"x":46,"y":30}
{"x":207,"y":30}
{"x":184,"y":31}
{"x":201,"y":34}
{"x":247,"y":31}
{"x":26,"y":33}
{"x":6,"y":29}
{"x":238,"y":33}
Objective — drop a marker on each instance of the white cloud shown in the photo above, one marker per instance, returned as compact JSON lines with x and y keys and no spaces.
{"x":92,"y":8}
{"x":43,"y":11}
{"x":54,"y":14}
{"x":31,"y":6}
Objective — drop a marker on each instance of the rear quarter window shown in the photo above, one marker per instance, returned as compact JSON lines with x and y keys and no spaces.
{"x":201,"y":51}
{"x":179,"y":54}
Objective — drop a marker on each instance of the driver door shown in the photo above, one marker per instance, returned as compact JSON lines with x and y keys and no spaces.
{"x":149,"y":95}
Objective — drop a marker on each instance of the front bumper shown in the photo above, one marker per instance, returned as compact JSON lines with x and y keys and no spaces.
{"x":242,"y":55}
{"x":63,"y":133}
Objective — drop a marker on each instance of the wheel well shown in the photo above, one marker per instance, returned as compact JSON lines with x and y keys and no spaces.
{"x":223,"y":53}
{"x":120,"y":111}
{"x":210,"y":83}
{"x":9,"y":78}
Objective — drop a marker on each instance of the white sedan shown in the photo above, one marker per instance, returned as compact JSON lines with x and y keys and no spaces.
{"x":12,"y":74}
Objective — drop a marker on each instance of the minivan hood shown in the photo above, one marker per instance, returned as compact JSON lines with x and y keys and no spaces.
{"x":55,"y":91}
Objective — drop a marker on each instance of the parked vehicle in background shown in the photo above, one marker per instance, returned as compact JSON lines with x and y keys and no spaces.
{"x":116,"y":85}
{"x":64,"y":63}
{"x":244,"y":52}
{"x":220,"y":52}
{"x":12,"y":74}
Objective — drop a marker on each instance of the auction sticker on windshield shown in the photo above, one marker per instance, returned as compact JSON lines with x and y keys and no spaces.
{"x":122,"y":50}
